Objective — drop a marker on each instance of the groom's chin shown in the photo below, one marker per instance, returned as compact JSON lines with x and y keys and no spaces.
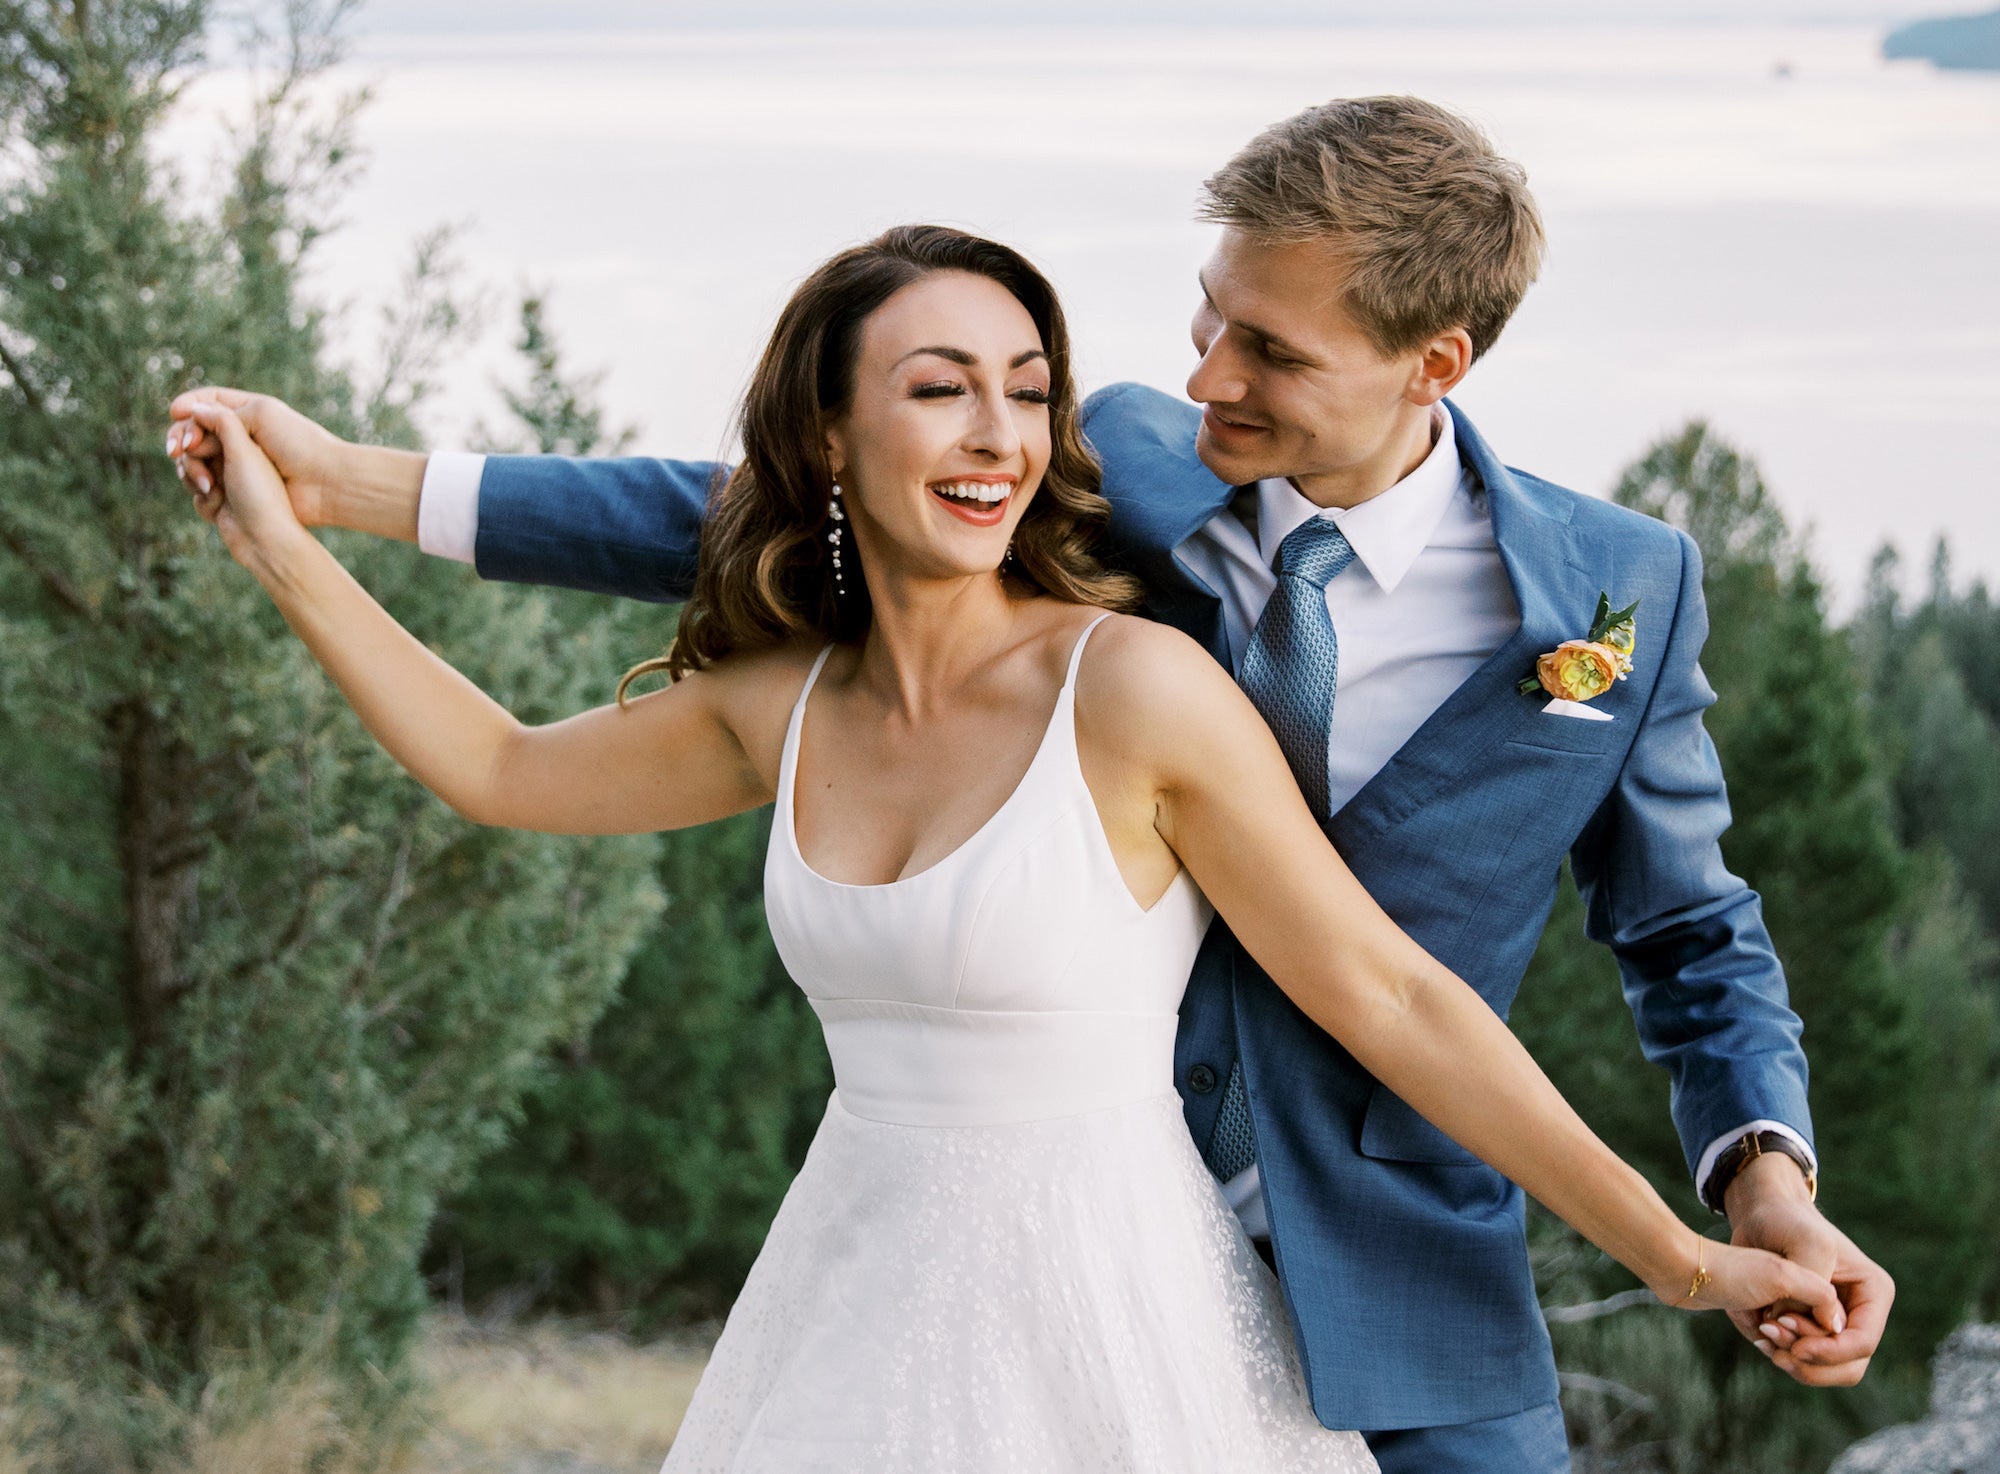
{"x":1232,"y":468}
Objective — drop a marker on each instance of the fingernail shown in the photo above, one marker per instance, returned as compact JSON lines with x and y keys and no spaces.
{"x":1789,"y":1324}
{"x":1766,"y":1348}
{"x":1839,"y":1320}
{"x":1768,"y":1331}
{"x":201,"y":480}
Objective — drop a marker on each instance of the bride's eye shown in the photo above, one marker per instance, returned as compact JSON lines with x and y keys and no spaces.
{"x":1032,"y":396}
{"x":941,"y":389}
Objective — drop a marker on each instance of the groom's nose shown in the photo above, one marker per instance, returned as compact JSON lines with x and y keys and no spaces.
{"x":1218,"y":378}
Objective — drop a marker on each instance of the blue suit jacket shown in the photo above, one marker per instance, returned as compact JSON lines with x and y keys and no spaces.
{"x":1402,"y":1257}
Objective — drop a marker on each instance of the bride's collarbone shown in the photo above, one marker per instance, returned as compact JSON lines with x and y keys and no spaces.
{"x":880,"y":798}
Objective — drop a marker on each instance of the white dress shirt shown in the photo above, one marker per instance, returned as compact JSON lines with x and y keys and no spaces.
{"x":1424,"y":603}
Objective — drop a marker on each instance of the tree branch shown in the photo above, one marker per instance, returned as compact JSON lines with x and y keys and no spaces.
{"x":1605,"y":1387}
{"x":22,"y":382}
{"x":30,"y":953}
{"x":1559,"y":1315}
{"x":59,"y":587}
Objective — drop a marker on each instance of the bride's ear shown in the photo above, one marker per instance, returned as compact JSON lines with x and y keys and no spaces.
{"x":834,"y":449}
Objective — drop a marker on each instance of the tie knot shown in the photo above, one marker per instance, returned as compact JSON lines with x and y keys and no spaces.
{"x":1315,"y":551}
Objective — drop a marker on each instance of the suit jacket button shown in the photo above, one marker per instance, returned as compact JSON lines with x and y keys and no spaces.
{"x":1201,"y":1079}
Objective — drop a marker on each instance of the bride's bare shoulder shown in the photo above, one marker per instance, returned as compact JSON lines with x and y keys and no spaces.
{"x":753,"y":691}
{"x":1141,"y":680}
{"x":1131,"y":658}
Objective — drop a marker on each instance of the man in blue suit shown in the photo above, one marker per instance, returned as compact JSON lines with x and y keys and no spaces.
{"x":1333,"y":529}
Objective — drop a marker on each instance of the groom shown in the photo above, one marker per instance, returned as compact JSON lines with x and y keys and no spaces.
{"x":1338,"y":534}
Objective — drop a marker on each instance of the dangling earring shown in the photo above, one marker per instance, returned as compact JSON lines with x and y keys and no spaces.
{"x":837,"y":514}
{"x":1007,"y":558}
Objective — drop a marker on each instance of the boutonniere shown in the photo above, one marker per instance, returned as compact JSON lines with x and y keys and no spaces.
{"x":1581,"y":670}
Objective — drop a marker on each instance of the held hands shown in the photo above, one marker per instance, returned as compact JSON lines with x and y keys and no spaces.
{"x":1769,"y":1208}
{"x":311,"y":460}
{"x":239,"y":491}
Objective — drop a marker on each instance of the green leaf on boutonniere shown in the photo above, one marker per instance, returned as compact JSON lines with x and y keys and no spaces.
{"x":1607,"y":620}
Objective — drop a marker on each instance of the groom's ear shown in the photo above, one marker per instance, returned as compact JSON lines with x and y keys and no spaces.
{"x":1441,"y":363}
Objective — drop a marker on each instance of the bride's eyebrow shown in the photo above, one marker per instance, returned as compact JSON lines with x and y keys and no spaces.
{"x":968,"y":360}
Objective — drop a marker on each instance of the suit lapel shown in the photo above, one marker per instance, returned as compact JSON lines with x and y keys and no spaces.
{"x":1556,"y":593}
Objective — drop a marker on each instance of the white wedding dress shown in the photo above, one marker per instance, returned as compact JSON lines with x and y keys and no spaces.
{"x":1003,"y":1252}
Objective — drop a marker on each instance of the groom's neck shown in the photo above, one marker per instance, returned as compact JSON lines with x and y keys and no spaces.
{"x":1407,"y":445}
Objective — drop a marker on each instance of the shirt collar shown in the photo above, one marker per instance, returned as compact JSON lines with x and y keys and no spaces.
{"x":1388,"y":530}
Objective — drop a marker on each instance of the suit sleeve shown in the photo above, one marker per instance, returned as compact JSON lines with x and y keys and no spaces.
{"x":628,"y":526}
{"x":1703,"y":981}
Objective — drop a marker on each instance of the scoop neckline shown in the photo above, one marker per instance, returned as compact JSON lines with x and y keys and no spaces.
{"x":795,"y":740}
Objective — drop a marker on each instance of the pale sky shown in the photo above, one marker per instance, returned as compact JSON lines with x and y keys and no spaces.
{"x":501,"y":15}
{"x":1762,"y":224}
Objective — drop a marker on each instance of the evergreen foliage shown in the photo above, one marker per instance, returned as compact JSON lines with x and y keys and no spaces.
{"x":1932,"y":674}
{"x":652,"y":1154}
{"x":262,"y":999}
{"x":1888,"y":967}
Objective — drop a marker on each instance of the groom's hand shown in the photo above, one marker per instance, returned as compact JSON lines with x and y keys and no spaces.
{"x":330,"y":482}
{"x":1770,"y":1208}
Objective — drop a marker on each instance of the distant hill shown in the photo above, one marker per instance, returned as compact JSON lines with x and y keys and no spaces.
{"x":1958,"y":43}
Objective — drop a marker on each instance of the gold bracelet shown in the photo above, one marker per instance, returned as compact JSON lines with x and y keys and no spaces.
{"x":1701,"y":1274}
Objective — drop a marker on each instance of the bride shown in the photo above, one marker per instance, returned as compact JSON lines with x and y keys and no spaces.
{"x":1004,"y":811}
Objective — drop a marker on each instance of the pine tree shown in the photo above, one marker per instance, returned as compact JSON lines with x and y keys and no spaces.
{"x":1932,"y":679}
{"x":261,"y":998}
{"x":653,"y":1153}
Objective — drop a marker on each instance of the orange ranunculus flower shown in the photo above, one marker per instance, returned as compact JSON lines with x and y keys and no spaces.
{"x":1578,"y":670}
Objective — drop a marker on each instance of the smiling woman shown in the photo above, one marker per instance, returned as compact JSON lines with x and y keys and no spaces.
{"x":767,"y":563}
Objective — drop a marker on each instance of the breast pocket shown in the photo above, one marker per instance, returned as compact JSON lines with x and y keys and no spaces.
{"x":1573,"y":734}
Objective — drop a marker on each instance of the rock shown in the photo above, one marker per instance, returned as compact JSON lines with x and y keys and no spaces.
{"x":1962,"y":1433}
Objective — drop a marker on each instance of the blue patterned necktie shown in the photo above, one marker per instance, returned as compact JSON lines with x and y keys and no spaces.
{"x":1290,"y":673}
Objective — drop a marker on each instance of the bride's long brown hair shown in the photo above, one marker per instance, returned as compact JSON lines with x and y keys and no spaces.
{"x":765,"y":573}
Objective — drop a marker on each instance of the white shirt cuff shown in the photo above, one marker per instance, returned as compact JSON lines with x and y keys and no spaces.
{"x":448,"y":505}
{"x":1705,"y":1168}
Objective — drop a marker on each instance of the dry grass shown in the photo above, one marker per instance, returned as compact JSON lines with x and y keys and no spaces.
{"x":541,"y":1399}
{"x":547,"y":1398}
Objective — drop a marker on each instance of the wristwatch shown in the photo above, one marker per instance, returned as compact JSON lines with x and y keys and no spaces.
{"x":1746,"y":1149}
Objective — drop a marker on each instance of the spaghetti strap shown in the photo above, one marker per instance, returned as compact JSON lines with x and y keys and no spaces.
{"x":1076,"y":651}
{"x":788,"y":756}
{"x":812,"y":677}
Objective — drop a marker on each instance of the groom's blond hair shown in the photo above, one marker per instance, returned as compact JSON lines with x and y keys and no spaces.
{"x":1435,"y":230}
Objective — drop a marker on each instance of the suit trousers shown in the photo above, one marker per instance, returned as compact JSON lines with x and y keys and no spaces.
{"x":1523,"y":1443}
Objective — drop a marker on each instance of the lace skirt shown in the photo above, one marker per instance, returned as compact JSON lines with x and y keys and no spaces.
{"x":1071,"y":1294}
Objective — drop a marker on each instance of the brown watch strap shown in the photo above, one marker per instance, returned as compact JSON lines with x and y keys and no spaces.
{"x":1746,"y":1149}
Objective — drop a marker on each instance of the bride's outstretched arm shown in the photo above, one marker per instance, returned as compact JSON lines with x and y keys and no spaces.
{"x":1223,"y":799}
{"x":663,"y":761}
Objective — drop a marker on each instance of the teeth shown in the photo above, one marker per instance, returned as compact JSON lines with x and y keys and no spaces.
{"x":976,"y":491}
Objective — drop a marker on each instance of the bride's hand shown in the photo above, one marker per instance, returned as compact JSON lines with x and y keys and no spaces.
{"x":1754,"y":1282}
{"x":248,"y":503}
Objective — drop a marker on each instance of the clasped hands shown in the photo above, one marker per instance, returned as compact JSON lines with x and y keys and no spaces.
{"x":1770,"y":1208}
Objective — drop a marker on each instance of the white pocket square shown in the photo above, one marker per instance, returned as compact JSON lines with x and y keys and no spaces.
{"x":1577,"y":709}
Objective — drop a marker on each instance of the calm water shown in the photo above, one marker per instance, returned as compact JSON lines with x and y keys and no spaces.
{"x":1808,"y":260}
